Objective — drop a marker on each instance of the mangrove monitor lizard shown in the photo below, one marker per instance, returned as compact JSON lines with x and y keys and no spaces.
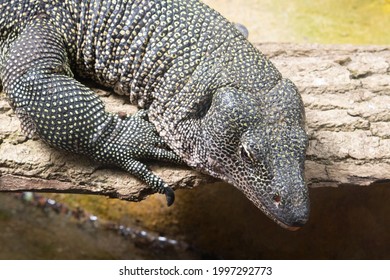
{"x":208,"y":97}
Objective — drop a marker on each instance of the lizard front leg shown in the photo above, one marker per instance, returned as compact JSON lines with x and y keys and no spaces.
{"x":50,"y":103}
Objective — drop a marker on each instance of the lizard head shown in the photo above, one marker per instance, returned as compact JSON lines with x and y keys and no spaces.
{"x":259,"y":146}
{"x":269,"y":169}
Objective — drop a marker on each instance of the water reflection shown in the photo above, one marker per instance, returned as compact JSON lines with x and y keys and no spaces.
{"x":36,"y":227}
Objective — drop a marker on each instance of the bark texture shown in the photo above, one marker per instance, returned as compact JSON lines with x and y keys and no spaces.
{"x":346,"y":91}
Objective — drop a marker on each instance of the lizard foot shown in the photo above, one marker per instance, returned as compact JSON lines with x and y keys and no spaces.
{"x":141,"y":171}
{"x":129,"y":142}
{"x":170,"y":195}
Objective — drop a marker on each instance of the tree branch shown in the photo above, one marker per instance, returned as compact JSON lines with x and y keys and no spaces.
{"x":346,"y":91}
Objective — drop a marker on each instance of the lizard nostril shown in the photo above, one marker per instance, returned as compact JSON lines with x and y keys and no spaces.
{"x":277,"y":198}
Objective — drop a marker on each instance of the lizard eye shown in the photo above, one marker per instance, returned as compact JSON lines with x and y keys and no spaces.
{"x":246,"y":155}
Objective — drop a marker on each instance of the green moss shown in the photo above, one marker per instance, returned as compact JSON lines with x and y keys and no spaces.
{"x":4,"y":216}
{"x":343,"y":21}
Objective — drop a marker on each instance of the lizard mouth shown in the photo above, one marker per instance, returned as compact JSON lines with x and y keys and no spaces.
{"x":290,"y":228}
{"x":296,"y":223}
{"x":293,"y":226}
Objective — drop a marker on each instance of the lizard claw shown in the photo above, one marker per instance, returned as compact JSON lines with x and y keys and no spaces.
{"x":170,"y":195}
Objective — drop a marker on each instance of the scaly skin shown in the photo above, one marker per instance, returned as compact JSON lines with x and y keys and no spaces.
{"x":215,"y":100}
